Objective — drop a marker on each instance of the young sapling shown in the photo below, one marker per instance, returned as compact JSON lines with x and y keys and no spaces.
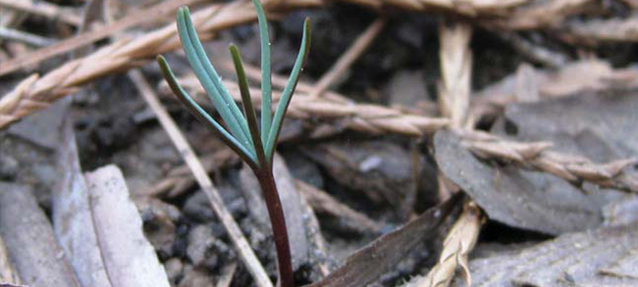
{"x":253,"y":142}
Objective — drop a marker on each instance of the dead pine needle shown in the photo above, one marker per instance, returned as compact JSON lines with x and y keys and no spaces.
{"x":345,"y":61}
{"x":456,"y":65}
{"x":457,"y":245}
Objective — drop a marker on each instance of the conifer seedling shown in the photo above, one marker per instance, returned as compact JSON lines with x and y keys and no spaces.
{"x":254,"y":142}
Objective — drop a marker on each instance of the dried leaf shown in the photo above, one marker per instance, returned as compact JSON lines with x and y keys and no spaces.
{"x":30,"y":241}
{"x":72,"y":219}
{"x":524,"y":199}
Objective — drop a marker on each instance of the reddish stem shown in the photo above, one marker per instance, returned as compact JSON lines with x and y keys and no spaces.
{"x":278,"y":222}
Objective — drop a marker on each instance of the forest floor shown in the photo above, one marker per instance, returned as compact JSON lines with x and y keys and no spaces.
{"x":429,"y":143}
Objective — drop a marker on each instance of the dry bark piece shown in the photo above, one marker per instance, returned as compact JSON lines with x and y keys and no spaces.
{"x":30,"y":240}
{"x":519,"y":198}
{"x":603,"y":257}
{"x":373,"y":260}
{"x":129,"y":258}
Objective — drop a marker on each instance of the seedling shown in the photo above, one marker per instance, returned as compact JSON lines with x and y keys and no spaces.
{"x":254,"y":144}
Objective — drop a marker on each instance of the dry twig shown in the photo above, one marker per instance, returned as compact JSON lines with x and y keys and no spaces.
{"x":186,"y":151}
{"x":534,"y":155}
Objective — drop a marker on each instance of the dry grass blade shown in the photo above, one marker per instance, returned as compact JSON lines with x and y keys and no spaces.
{"x":36,"y":93}
{"x":456,"y":248}
{"x":246,"y":254}
{"x":533,"y":51}
{"x":535,"y":155}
